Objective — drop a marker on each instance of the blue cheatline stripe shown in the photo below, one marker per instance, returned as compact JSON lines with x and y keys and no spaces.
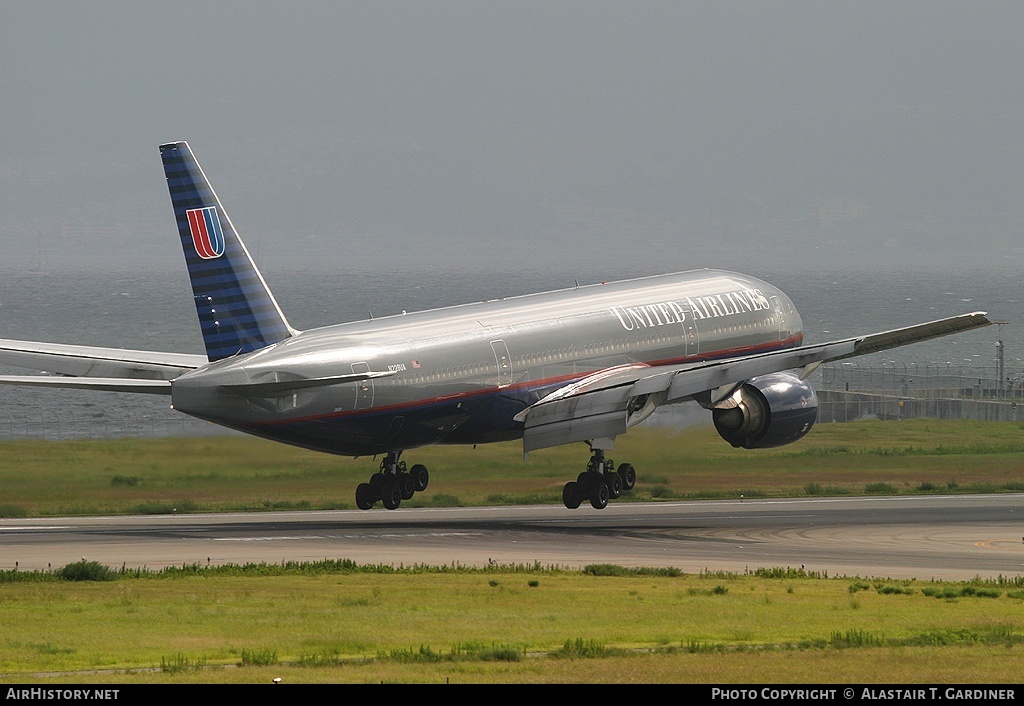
{"x":237,"y":313}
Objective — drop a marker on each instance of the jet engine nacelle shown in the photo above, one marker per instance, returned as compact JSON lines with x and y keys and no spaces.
{"x":766,"y":411}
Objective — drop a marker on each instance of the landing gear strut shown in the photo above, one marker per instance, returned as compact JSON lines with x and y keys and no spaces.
{"x":600,"y":483}
{"x":392,"y":484}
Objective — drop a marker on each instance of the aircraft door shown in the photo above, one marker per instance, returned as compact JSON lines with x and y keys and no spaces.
{"x":364,"y":388}
{"x":691,"y":338}
{"x":781,"y":315}
{"x":503,"y":361}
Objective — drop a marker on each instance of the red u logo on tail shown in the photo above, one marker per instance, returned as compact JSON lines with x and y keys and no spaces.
{"x":207,"y":235}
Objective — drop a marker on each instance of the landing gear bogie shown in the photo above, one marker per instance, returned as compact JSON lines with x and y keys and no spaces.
{"x":392,"y":483}
{"x":599,"y":484}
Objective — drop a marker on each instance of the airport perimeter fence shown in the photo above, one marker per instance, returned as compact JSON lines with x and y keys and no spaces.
{"x":847,"y":392}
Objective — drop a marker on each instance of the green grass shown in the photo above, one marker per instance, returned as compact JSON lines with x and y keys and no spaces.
{"x":339,"y":622}
{"x":234,"y":473}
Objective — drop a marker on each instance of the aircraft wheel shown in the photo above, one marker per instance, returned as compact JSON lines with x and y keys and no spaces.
{"x":392,"y":496}
{"x":406,"y":485}
{"x":599,"y":496}
{"x":571,"y":496}
{"x":365,"y":497}
{"x":628,"y":476}
{"x":377,"y":483}
{"x":420,"y":477}
{"x":614,"y":482}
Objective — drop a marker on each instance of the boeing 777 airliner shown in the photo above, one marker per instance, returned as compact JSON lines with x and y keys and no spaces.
{"x":580,"y":364}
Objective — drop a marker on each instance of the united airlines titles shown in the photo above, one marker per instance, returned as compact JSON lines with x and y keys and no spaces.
{"x":704,"y":307}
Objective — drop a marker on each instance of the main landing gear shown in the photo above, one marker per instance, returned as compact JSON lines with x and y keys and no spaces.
{"x":392,"y":483}
{"x":600,"y":483}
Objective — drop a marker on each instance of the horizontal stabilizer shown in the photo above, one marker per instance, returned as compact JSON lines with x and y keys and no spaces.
{"x":92,"y":361}
{"x":155,"y":387}
{"x":278,"y":388}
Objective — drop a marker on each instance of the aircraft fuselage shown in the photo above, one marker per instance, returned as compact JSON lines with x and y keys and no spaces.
{"x":460,"y":374}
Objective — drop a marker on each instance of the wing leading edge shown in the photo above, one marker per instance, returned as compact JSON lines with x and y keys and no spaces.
{"x":603,"y":404}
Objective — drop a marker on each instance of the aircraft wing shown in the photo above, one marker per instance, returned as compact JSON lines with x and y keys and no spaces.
{"x":599,"y":406}
{"x":95,"y":368}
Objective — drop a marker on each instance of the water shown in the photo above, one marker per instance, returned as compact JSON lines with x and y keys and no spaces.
{"x":153,"y":311}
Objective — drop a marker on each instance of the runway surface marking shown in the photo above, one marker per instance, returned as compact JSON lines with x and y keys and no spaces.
{"x":32,"y":528}
{"x":416,"y":535}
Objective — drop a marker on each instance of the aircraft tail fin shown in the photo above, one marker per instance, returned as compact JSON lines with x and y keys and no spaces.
{"x":237,"y":312}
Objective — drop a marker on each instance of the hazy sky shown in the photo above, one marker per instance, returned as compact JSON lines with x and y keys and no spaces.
{"x":633,"y":136}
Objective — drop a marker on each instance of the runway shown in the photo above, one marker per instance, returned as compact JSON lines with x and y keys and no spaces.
{"x":925,"y":537}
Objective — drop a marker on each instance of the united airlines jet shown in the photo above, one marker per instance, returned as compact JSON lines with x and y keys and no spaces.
{"x":578,"y":365}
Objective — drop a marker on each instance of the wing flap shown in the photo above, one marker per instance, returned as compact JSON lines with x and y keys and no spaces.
{"x":598,"y":426}
{"x":589,"y":415}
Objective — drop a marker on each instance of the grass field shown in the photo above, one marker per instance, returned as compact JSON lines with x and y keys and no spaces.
{"x":235,"y":473}
{"x":509,"y":624}
{"x":506,"y":624}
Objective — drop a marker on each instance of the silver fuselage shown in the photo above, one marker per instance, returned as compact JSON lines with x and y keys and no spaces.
{"x":461,"y":374}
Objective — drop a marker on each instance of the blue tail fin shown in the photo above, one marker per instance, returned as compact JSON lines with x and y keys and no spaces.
{"x":237,"y":312}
